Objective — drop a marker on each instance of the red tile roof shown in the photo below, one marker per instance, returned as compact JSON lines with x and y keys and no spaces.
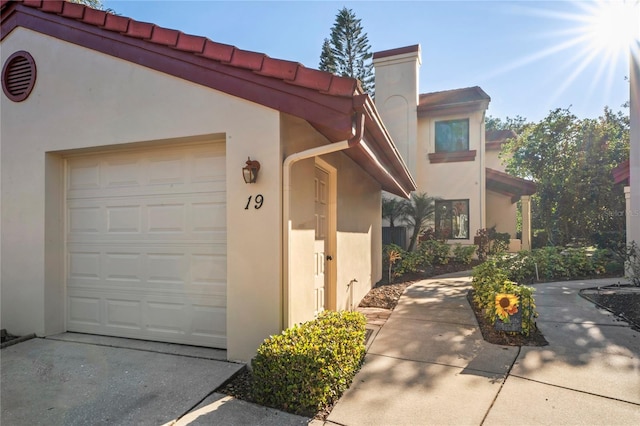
{"x":328,"y":102}
{"x":506,"y":184}
{"x":495,"y":138}
{"x":452,"y":100}
{"x":621,"y":173}
{"x":231,"y":55}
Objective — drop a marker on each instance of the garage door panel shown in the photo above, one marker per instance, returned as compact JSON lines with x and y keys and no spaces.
{"x":146,"y":244}
{"x":179,"y":269}
{"x":184,"y":218}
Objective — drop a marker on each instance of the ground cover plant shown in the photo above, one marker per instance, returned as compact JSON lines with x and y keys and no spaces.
{"x":557,"y":264}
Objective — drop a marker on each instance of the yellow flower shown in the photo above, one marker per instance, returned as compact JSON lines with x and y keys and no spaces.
{"x":506,"y":304}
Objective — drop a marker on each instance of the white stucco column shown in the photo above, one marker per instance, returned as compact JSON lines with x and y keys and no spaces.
{"x":633,"y":208}
{"x":627,"y":207}
{"x":526,"y":222}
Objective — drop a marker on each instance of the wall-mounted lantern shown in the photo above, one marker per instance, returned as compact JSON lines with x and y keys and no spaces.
{"x":250,"y":171}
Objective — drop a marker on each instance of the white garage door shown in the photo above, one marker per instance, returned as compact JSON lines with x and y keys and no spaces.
{"x":146,"y":244}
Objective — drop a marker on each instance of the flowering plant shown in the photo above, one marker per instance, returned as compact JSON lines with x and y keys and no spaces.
{"x":506,"y":305}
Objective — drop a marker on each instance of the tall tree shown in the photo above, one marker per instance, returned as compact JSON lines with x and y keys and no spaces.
{"x":327,"y":60}
{"x":418,"y":212}
{"x":571,"y":162}
{"x":347,"y":52}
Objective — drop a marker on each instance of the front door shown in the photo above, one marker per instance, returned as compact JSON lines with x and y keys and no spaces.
{"x":321,"y":212}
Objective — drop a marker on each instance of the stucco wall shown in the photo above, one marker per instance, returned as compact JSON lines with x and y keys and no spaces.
{"x":454,"y":180}
{"x":87,"y":100}
{"x":357,"y":246}
{"x":501,"y":213}
{"x":493,"y":161}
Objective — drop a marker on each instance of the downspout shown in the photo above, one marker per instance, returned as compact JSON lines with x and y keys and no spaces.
{"x":483,"y":183}
{"x":358,"y":133}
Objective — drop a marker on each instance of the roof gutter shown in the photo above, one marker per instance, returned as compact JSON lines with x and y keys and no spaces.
{"x":355,"y":139}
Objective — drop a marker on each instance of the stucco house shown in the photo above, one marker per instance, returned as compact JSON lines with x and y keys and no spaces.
{"x":124,"y":207}
{"x":442,"y":137}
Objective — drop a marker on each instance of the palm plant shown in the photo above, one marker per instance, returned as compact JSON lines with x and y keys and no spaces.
{"x":418,"y":212}
{"x":392,"y":210}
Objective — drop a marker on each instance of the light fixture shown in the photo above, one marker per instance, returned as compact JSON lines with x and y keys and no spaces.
{"x":250,"y":171}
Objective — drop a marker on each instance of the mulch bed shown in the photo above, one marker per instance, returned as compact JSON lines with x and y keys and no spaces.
{"x":622,"y":300}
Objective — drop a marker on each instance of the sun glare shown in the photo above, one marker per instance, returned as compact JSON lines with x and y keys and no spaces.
{"x":612,"y":26}
{"x":596,"y":37}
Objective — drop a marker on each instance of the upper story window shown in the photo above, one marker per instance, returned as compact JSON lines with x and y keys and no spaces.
{"x":452,"y":142}
{"x":452,"y":135}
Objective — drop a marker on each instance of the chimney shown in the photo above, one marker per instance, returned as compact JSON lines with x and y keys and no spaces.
{"x":396,"y":79}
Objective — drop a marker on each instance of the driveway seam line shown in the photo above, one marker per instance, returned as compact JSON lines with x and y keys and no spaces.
{"x":141,"y":350}
{"x":575,"y":390}
{"x":436,"y":363}
{"x":506,"y":376}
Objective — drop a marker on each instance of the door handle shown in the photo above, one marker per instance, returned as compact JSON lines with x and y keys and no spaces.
{"x":329,"y":257}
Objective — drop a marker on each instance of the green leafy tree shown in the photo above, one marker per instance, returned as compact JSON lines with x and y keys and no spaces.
{"x":347,"y":52}
{"x":95,"y":4}
{"x":517,"y":124}
{"x":418,"y":213}
{"x":571,"y":161}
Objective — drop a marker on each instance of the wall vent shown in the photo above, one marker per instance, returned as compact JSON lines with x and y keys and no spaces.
{"x":18,"y":76}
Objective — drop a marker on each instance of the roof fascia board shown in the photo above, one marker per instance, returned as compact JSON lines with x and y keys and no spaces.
{"x":452,"y":109}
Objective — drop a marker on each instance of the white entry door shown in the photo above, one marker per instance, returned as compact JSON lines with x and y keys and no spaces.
{"x":321,"y":214}
{"x":146,"y":244}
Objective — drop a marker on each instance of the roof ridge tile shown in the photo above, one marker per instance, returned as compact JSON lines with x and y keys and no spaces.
{"x":94,"y":17}
{"x":73,"y":10}
{"x":165,"y":36}
{"x":190,"y":43}
{"x":117,"y":23}
{"x":138,"y":29}
{"x":54,"y":6}
{"x":217,"y":51}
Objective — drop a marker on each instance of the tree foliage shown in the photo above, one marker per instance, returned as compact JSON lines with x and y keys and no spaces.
{"x":347,"y":52}
{"x":95,"y":4}
{"x":518,"y":124}
{"x":571,"y":161}
{"x":418,"y":213}
{"x":392,"y":210}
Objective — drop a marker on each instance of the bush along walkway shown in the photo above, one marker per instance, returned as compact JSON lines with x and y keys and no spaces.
{"x":430,"y":365}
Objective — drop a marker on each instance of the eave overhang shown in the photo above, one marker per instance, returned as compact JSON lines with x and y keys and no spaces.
{"x":508,"y":185}
{"x":328,"y":102}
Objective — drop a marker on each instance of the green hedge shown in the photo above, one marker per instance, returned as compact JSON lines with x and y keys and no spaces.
{"x":554,"y":263}
{"x":309,"y":365}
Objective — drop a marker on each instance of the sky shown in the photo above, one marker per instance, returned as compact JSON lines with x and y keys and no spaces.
{"x":529,"y":56}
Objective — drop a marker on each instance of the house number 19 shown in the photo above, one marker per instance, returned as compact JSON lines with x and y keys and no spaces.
{"x":257,"y":202}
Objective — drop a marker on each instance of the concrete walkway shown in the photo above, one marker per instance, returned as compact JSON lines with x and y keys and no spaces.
{"x":428,"y":365}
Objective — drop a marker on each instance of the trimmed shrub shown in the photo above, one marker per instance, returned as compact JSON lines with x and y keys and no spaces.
{"x":463,"y":254}
{"x":434,"y":252}
{"x":488,"y":281}
{"x":310,"y":365}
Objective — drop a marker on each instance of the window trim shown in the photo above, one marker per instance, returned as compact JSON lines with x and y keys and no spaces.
{"x":452,"y":157}
{"x":435,"y":134}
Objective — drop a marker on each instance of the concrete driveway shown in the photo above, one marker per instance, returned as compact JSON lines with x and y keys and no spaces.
{"x":76,"y":379}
